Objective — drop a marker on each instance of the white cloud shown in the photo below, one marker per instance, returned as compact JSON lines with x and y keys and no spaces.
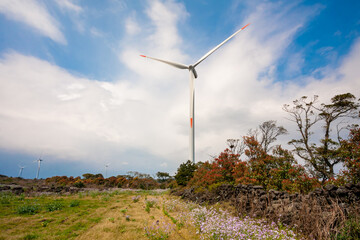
{"x":69,"y":5}
{"x":131,"y":26}
{"x":35,"y":15}
{"x":165,"y":16}
{"x":67,"y":116}
{"x":76,"y":14}
{"x":96,"y":32}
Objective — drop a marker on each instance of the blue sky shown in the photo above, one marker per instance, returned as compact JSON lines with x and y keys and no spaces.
{"x":74,"y":90}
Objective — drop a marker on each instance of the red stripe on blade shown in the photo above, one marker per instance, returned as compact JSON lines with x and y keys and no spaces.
{"x":245,"y":26}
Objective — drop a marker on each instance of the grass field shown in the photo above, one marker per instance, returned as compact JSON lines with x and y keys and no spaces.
{"x":124,"y":215}
{"x":94,"y":215}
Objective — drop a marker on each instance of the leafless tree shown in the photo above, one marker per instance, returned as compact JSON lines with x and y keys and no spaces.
{"x":269,"y":133}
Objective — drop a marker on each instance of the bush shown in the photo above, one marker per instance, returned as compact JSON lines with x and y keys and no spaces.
{"x":31,"y":236}
{"x":184,"y":173}
{"x":54,"y":206}
{"x":79,"y":184}
{"x":6,"y":198}
{"x":28,"y":208}
{"x":74,"y":203}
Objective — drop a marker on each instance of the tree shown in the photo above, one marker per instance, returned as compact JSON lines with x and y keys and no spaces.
{"x":320,"y":158}
{"x":204,"y":175}
{"x":92,"y":176}
{"x":267,"y":133}
{"x":258,"y":161}
{"x":278,"y":170}
{"x":219,"y":170}
{"x":236,"y":146}
{"x":185,"y":172}
{"x":88,"y":176}
{"x":163,"y":176}
{"x":134,"y":174}
{"x":350,"y":149}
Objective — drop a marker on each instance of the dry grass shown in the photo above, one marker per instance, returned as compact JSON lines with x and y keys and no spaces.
{"x":126,"y":220}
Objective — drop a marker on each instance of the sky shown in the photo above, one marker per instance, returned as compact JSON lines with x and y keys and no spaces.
{"x":75,"y":93}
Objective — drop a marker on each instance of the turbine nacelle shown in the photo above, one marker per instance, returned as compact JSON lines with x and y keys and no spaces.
{"x":192,"y":69}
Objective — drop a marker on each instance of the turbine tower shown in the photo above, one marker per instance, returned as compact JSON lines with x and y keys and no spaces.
{"x":106,"y":167}
{"x":21,"y":170}
{"x":38,"y":170}
{"x":194,"y":75}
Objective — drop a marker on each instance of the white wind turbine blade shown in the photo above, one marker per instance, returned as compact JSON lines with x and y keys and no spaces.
{"x":215,"y":48}
{"x":177,"y":65}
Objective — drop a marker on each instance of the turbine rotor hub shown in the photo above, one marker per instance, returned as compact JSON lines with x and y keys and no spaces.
{"x":192,"y":69}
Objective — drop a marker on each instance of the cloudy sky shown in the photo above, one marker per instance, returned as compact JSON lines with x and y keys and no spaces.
{"x":74,"y":91}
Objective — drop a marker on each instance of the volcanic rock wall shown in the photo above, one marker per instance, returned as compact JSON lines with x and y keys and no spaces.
{"x":291,"y":209}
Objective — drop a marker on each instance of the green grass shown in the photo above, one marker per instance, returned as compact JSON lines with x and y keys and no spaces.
{"x":84,"y":216}
{"x":350,"y":231}
{"x":46,"y":217}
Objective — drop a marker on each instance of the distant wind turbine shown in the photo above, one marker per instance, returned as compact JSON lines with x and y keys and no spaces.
{"x":38,"y":169}
{"x":106,"y":166}
{"x":194,"y":75}
{"x":21,"y":170}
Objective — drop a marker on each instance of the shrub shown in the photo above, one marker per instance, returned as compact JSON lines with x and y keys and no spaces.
{"x":54,"y":206}
{"x":6,"y":198}
{"x":74,"y":203}
{"x":184,"y":173}
{"x":28,"y":208}
{"x":79,"y":184}
{"x":30,"y":236}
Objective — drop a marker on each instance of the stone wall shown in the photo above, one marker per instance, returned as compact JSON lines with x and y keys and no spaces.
{"x":18,"y":189}
{"x":320,"y":206}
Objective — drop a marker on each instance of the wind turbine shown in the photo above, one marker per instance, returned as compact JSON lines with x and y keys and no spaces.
{"x":38,"y":170}
{"x":194,"y":75}
{"x":21,"y":170}
{"x":106,"y":166}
